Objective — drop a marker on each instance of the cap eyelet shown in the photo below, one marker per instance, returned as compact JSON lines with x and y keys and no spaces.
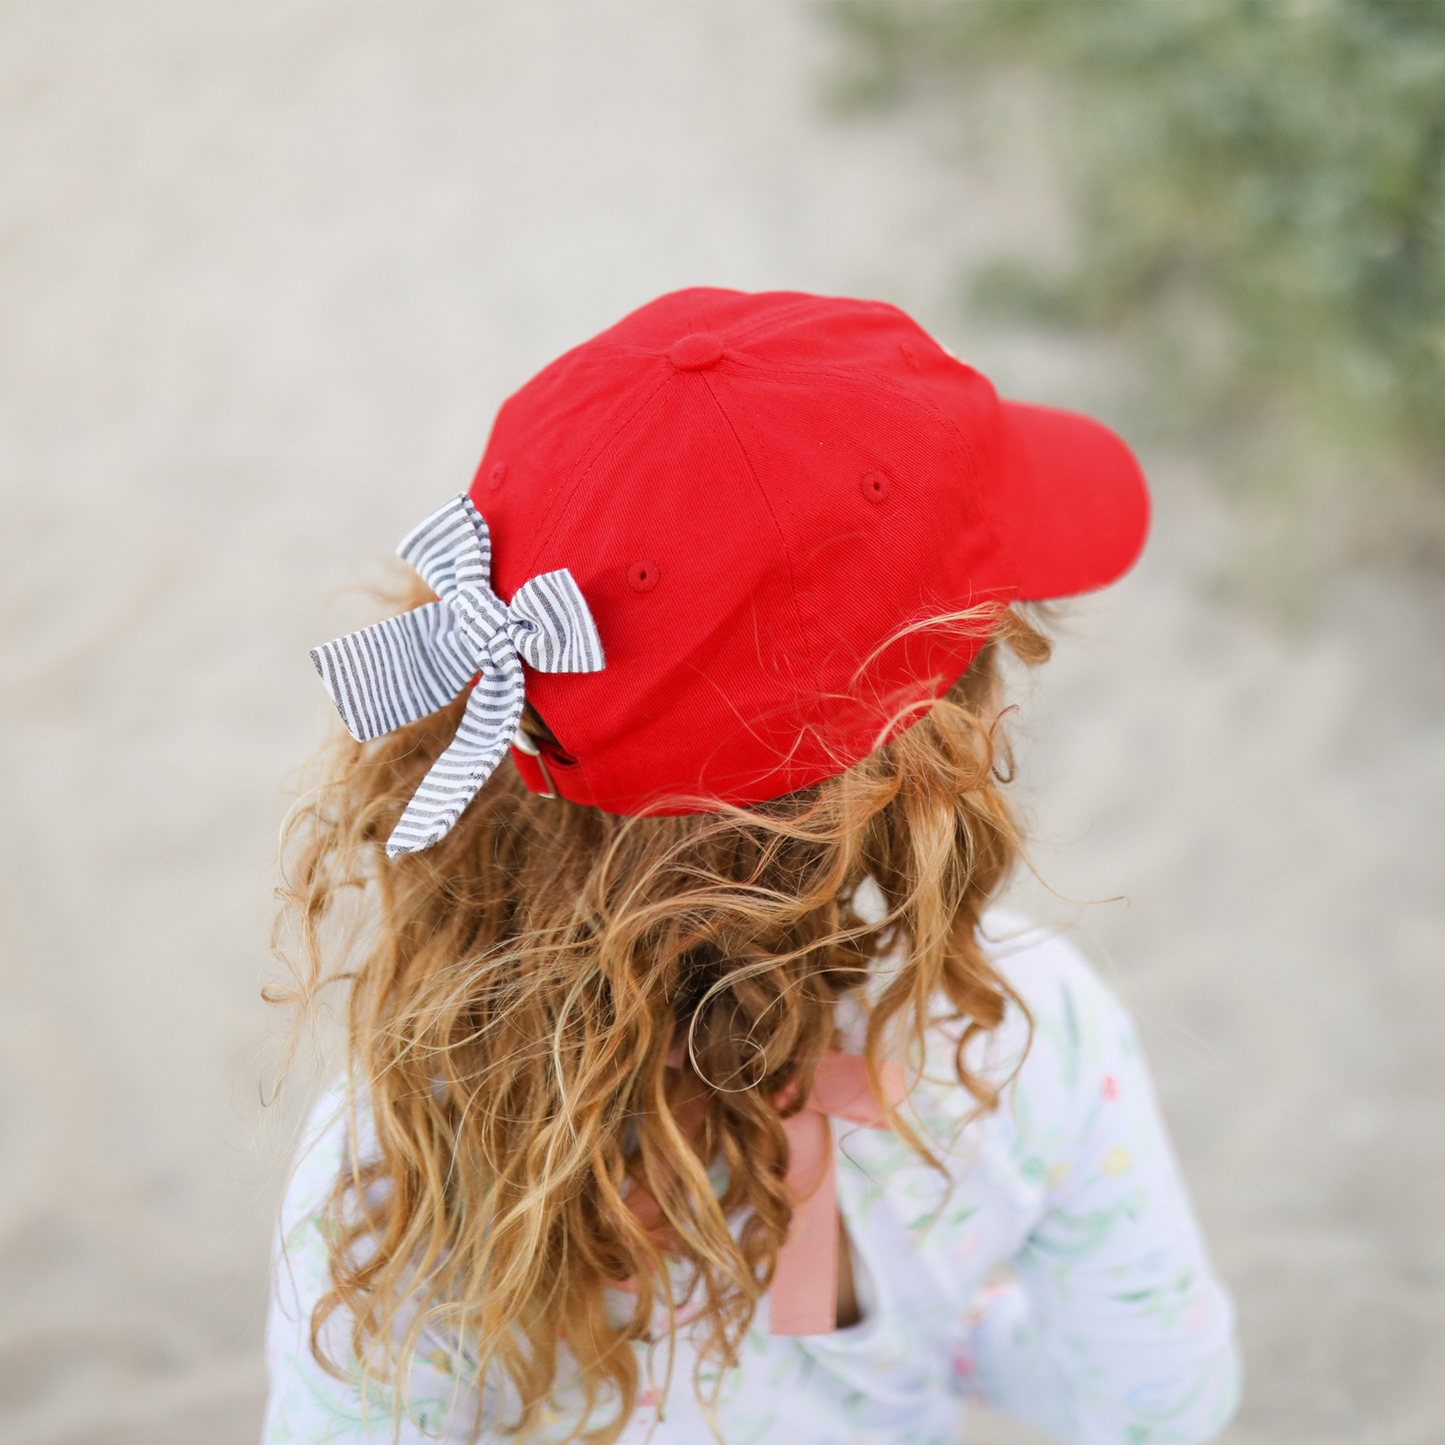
{"x":909,"y":354}
{"x":874,"y":486}
{"x":643,"y":576}
{"x":496,"y":476}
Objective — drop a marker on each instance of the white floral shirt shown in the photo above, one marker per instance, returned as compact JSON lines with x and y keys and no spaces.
{"x":1055,"y":1272}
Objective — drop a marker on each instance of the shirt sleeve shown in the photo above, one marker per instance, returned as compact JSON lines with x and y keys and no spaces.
{"x":307,"y":1404}
{"x":1114,"y":1329}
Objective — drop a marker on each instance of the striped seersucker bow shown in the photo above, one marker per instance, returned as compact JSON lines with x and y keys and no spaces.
{"x":399,"y":670}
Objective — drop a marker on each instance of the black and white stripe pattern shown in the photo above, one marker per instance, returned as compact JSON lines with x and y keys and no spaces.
{"x":403,"y":668}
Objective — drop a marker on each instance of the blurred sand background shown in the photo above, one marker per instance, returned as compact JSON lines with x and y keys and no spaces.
{"x":268,"y":269}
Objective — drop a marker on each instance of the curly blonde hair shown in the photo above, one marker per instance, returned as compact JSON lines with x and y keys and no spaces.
{"x":513,"y":995}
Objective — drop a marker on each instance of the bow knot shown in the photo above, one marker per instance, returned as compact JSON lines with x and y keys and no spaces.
{"x":482,"y":615}
{"x":405,"y":667}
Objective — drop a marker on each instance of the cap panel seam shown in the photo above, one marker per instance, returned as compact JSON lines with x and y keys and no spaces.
{"x":782,"y":538}
{"x":872,"y":379}
{"x":806,"y":306}
{"x":765,"y":324}
{"x":544,"y":533}
{"x":590,"y":459}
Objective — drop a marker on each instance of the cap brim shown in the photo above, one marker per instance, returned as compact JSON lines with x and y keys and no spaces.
{"x":1084,"y":510}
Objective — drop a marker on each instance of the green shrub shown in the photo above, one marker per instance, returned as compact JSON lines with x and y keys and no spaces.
{"x":1276,"y":167}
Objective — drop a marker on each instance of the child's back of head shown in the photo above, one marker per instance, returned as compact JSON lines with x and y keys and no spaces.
{"x":671,"y":809}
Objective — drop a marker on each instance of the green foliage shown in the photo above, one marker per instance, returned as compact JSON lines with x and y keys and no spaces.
{"x":1260,"y":193}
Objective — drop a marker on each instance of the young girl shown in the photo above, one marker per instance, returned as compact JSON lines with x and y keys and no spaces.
{"x":693,"y":1092}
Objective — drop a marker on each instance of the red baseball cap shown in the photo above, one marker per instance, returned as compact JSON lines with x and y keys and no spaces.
{"x":767,"y":500}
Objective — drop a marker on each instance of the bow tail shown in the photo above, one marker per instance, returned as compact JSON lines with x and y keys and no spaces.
{"x":395,"y":671}
{"x":487,"y":728}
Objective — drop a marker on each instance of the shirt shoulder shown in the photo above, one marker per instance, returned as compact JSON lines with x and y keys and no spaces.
{"x":1070,"y":1021}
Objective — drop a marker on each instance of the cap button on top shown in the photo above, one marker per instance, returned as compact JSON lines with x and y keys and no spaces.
{"x":696,"y":352}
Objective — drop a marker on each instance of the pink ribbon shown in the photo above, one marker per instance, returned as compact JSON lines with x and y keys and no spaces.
{"x":805,"y":1283}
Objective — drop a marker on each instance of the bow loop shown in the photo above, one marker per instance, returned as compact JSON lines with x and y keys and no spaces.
{"x":406,"y":667}
{"x":551,"y":627}
{"x":451,"y":549}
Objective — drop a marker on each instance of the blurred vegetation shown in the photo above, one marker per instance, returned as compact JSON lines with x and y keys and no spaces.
{"x":1258,"y":190}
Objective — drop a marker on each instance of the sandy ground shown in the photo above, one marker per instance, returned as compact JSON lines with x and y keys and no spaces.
{"x":268,"y":270}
